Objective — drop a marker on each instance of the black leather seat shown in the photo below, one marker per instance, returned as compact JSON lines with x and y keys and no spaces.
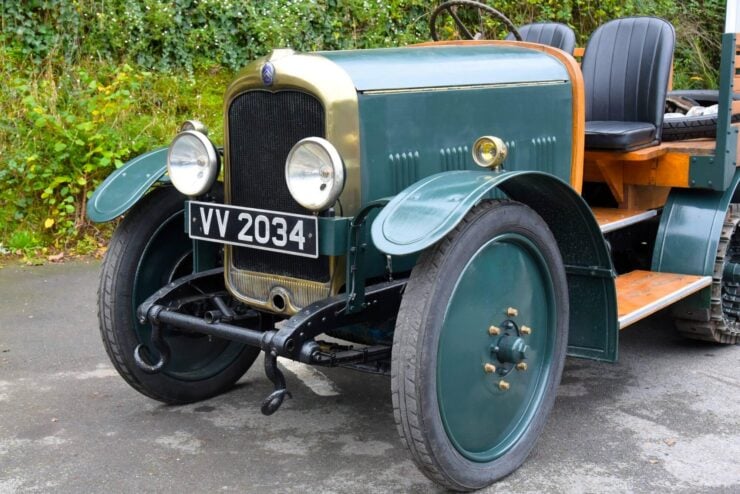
{"x":548,"y":33}
{"x":626,"y":68}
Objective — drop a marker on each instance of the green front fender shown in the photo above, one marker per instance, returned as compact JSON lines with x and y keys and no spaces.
{"x":125,"y":186}
{"x":425,"y":212}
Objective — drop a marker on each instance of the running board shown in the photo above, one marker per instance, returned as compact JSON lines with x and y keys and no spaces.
{"x":610,"y":219}
{"x":642,"y":293}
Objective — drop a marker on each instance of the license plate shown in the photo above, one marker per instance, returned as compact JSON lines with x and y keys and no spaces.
{"x":294,"y":234}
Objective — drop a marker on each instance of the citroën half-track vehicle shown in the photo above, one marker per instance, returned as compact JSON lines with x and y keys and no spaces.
{"x":459,"y":215}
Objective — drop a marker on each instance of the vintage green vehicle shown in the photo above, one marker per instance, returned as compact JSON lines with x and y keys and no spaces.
{"x":459,"y":215}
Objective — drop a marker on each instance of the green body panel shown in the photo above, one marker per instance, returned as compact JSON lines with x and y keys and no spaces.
{"x":716,"y":172}
{"x":446,"y":66}
{"x":688,"y":236}
{"x":514,"y":274}
{"x":424,"y":213}
{"x":125,"y":186}
{"x":410,"y":135}
{"x":690,"y":228}
{"x":206,"y":255}
{"x":333,"y":236}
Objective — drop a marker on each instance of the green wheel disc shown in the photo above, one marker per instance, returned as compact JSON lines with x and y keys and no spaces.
{"x":484,"y":413}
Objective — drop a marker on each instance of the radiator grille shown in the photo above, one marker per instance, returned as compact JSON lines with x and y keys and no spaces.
{"x":263,"y":127}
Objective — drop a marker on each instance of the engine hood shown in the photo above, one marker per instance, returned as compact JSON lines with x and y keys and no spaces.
{"x":446,"y":66}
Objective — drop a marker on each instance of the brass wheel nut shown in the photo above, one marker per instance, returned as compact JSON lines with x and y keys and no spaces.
{"x":489,"y":368}
{"x":512,"y":312}
{"x":522,"y":366}
{"x":525,"y":330}
{"x":503,"y":385}
{"x":494,"y":331}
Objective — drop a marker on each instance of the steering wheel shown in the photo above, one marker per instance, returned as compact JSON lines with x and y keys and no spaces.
{"x":451,"y":9}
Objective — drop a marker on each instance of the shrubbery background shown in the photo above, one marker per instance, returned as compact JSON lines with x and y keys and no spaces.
{"x":88,"y":84}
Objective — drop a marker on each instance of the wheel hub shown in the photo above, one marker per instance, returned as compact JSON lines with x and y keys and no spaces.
{"x":509,"y":347}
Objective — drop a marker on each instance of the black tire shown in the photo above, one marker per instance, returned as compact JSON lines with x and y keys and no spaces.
{"x":683,"y":128}
{"x":156,"y":223}
{"x":415,"y":346}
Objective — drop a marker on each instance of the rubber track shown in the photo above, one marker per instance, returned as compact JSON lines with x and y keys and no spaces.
{"x":718,"y":329}
{"x":410,"y":321}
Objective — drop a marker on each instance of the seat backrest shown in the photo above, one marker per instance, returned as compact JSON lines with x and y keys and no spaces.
{"x":549,"y":33}
{"x":626,"y":68}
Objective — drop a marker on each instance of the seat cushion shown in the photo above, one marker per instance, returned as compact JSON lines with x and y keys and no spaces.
{"x":626,"y":68}
{"x":624,"y":136}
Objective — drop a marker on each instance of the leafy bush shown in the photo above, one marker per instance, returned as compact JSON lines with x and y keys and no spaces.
{"x":89,"y":84}
{"x":70,"y":129}
{"x":176,"y":34}
{"x":191,"y":34}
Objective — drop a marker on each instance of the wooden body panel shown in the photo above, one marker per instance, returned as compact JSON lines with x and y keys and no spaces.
{"x":665,"y":165}
{"x":642,"y":178}
{"x":695,"y":147}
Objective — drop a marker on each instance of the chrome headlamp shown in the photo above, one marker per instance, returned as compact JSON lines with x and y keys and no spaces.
{"x":314,"y":172}
{"x":192,"y":163}
{"x":489,"y":151}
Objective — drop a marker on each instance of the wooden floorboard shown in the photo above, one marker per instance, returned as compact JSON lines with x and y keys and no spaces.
{"x":642,"y":293}
{"x":610,"y":219}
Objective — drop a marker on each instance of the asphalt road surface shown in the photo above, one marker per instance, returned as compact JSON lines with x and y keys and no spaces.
{"x":664,"y":419}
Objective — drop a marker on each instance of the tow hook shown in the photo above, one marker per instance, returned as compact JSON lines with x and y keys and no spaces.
{"x":158,"y":343}
{"x":274,"y":399}
{"x":158,"y":315}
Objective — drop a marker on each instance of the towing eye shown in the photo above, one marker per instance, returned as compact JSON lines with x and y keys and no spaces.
{"x":269,"y":405}
{"x":159,"y":343}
